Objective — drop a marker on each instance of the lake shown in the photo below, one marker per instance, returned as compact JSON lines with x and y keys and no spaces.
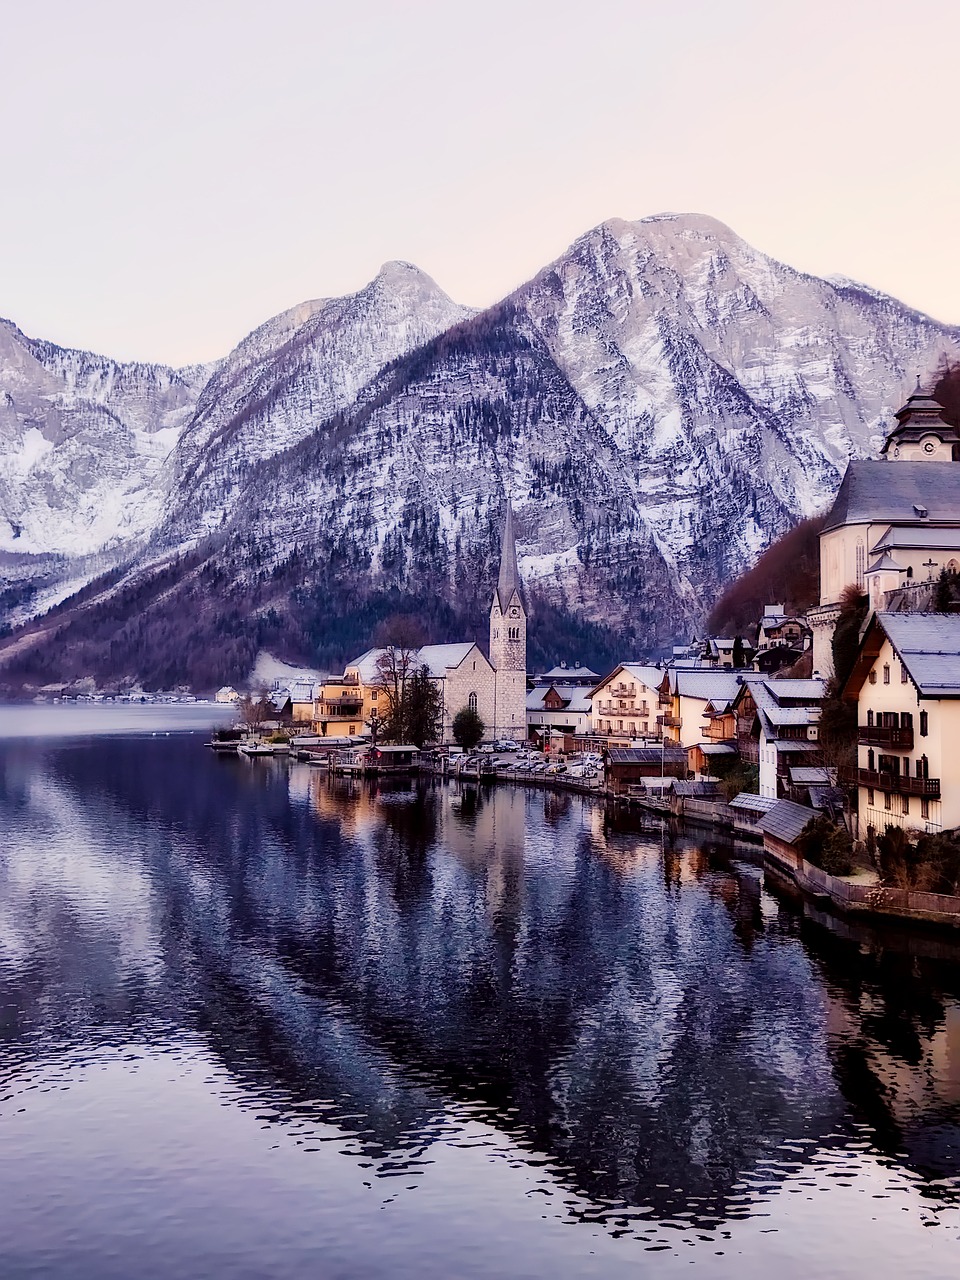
{"x":255,"y":1022}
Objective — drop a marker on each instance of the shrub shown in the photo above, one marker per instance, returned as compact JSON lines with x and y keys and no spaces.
{"x":828,"y":845}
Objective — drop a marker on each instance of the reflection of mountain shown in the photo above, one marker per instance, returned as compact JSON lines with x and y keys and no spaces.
{"x":630,"y":1008}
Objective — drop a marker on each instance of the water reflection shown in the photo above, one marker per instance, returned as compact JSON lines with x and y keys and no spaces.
{"x":662,"y":1037}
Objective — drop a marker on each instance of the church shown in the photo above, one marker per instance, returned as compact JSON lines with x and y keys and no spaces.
{"x":895,"y":523}
{"x":494,"y":687}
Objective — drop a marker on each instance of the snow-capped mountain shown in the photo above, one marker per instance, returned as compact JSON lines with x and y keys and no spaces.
{"x":660,"y":403}
{"x":82,"y":442}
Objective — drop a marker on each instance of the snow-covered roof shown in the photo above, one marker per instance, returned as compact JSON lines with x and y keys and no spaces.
{"x":872,"y":492}
{"x":929,"y":647}
{"x":564,"y":673}
{"x":438,"y":659}
{"x":576,"y":697}
{"x":713,"y":686}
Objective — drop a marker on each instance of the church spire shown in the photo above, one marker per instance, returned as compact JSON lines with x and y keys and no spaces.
{"x":509,"y":580}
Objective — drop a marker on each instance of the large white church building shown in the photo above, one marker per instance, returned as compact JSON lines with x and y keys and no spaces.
{"x":494,"y":687}
{"x":895,"y":523}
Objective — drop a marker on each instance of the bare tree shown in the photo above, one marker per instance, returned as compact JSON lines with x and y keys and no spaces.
{"x":255,"y":708}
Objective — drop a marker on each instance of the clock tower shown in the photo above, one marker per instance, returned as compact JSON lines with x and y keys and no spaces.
{"x":921,"y":435}
{"x":508,"y":641}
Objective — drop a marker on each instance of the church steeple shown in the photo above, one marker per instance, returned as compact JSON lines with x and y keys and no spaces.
{"x":921,"y":435}
{"x":508,"y":581}
{"x":508,"y":639}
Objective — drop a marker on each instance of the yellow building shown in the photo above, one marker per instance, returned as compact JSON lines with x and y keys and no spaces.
{"x":906,"y":682}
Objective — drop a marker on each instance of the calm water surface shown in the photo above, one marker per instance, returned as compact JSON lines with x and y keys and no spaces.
{"x":255,"y":1022}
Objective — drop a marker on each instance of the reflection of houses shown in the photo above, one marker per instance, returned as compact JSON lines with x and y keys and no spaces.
{"x":625,"y":703}
{"x":778,"y":727}
{"x":906,"y":682}
{"x":561,"y":708}
{"x":894,"y":524}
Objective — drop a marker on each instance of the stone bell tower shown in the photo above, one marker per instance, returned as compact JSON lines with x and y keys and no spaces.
{"x":508,"y":641}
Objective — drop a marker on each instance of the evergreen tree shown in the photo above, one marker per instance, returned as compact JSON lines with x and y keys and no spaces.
{"x":739,"y":656}
{"x":468,"y":728}
{"x":423,"y":708}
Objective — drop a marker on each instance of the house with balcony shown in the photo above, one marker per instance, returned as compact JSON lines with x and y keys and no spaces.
{"x":906,"y":684}
{"x":625,"y":704}
{"x":559,"y":708}
{"x":688,"y":702}
{"x":778,"y":728}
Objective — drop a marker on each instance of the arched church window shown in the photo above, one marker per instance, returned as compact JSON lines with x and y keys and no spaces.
{"x":472,"y":702}
{"x":861,"y":563}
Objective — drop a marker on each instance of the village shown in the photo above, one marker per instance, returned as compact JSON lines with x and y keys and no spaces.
{"x":828,"y":736}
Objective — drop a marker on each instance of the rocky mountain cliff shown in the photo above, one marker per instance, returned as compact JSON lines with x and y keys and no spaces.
{"x":661,"y":402}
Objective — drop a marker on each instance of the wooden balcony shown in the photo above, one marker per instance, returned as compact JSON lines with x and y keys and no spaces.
{"x":898,"y":782}
{"x":879,"y":735}
{"x":669,"y":722}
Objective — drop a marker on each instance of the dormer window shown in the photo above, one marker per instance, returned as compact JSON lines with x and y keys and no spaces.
{"x":921,"y":511}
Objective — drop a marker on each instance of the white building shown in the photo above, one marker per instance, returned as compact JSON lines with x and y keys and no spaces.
{"x":624,"y":705}
{"x":564,"y":708}
{"x":898,"y":517}
{"x":782,"y":717}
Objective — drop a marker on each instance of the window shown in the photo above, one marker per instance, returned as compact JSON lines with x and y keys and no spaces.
{"x":924,"y":808}
{"x":886,"y":800}
{"x":870,"y":795}
{"x":905,"y":802}
{"x":903,"y":674}
{"x":871,"y":760}
{"x":374,"y":693}
{"x":886,"y":673}
{"x":872,"y":677}
{"x":869,"y":719}
{"x":924,"y":724}
{"x":472,"y":702}
{"x":923,"y":767}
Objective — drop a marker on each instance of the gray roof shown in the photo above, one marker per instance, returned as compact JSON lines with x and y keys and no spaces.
{"x":885,"y":492}
{"x":884,"y":563}
{"x":718,"y":687}
{"x":647,"y":755}
{"x":929,"y":647}
{"x":703,"y":789}
{"x":794,"y":746}
{"x":922,"y":537}
{"x":717,"y":748}
{"x":809,"y":775}
{"x":565,"y":673}
{"x":785,"y":820}
{"x":813,"y":690}
{"x":750,"y":803}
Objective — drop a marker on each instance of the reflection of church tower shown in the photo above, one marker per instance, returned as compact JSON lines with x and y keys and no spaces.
{"x":508,"y":641}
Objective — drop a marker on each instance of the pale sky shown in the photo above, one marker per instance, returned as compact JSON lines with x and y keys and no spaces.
{"x":173,"y":174}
